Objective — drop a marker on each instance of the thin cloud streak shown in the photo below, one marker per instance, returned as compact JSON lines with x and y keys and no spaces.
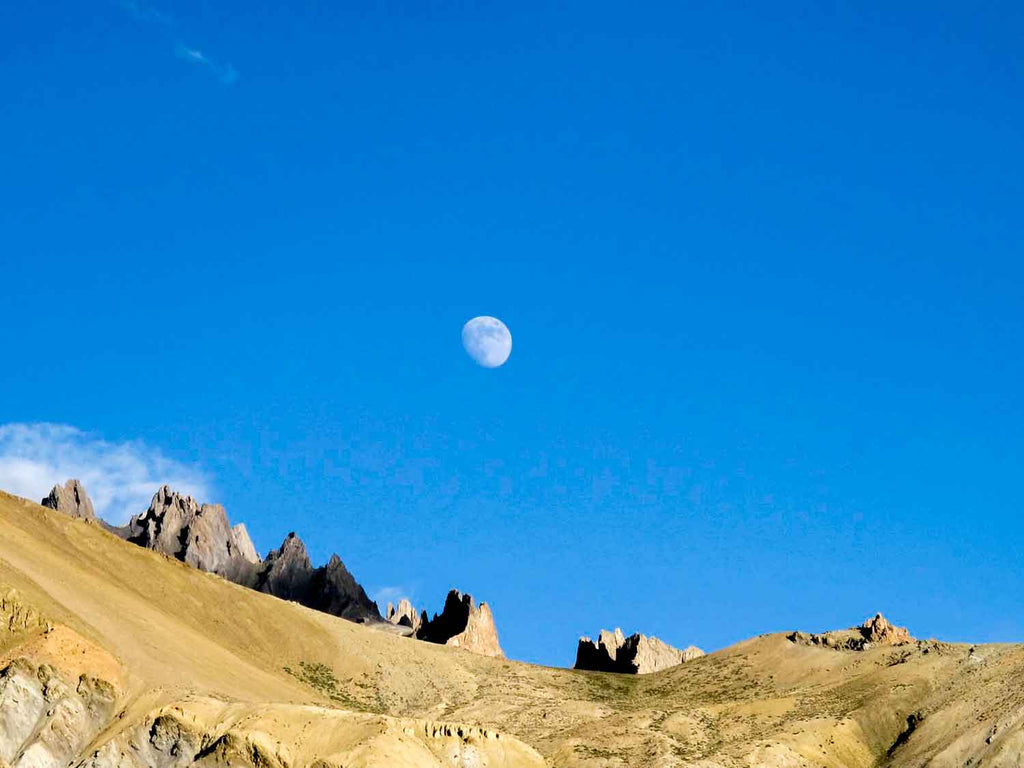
{"x":225,"y":73}
{"x":142,"y":12}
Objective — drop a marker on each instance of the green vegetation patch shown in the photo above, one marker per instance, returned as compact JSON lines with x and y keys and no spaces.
{"x":321,"y":678}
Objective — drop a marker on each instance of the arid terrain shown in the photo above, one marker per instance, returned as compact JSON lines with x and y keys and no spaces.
{"x":116,"y":655}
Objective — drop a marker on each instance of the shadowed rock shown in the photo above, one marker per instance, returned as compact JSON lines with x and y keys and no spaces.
{"x":71,"y":499}
{"x":463,"y":624}
{"x":288,"y":573}
{"x":636,"y":654}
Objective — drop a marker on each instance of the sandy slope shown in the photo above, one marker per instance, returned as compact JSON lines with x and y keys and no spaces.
{"x":233,"y":676}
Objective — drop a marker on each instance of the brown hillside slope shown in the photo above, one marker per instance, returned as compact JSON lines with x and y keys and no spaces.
{"x":154,"y":663}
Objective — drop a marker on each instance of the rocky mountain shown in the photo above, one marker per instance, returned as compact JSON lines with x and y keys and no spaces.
{"x":636,"y":654}
{"x":113,"y":656}
{"x":463,"y":624}
{"x":289,"y":574}
{"x":405,"y":615}
{"x":178,"y":526}
{"x":199,"y":535}
{"x":875,"y":631}
{"x":71,"y":499}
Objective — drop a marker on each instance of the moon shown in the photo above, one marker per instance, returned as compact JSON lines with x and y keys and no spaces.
{"x":487,"y":340}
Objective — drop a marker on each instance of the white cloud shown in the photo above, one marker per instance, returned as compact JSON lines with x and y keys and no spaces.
{"x":120,"y":478}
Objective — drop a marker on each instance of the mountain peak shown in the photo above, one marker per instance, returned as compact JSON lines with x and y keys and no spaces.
{"x":463,"y":624}
{"x":71,"y":499}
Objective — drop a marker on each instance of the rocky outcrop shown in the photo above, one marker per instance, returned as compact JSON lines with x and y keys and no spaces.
{"x":405,"y":615}
{"x":636,"y":654}
{"x":879,"y":631}
{"x":463,"y":624}
{"x":46,"y":719}
{"x":196,"y":534}
{"x":289,"y":574}
{"x":875,"y":631}
{"x":287,"y":571}
{"x":16,"y":616}
{"x":200,"y":535}
{"x":216,"y":734}
{"x":71,"y":499}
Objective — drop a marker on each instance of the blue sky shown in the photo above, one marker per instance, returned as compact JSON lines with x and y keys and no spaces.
{"x":761,"y":267}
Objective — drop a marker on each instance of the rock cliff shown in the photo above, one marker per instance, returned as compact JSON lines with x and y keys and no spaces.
{"x":463,"y":624}
{"x":636,"y":654}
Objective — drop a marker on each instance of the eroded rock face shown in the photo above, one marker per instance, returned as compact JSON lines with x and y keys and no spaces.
{"x":463,"y":624}
{"x":71,"y":499}
{"x":874,"y":631}
{"x":180,"y":527}
{"x":637,"y":654}
{"x":404,"y":615}
{"x":46,"y":720}
{"x":219,"y":735}
{"x":16,"y":616}
{"x":879,"y":631}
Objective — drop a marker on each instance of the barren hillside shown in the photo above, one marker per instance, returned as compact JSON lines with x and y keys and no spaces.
{"x":113,"y":655}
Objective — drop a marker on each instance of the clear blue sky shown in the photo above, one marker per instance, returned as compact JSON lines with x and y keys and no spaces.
{"x":762,"y":268}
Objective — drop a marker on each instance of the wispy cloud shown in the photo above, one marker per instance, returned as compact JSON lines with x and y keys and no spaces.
{"x":224,"y":72}
{"x":145,"y":13}
{"x":119,"y":477}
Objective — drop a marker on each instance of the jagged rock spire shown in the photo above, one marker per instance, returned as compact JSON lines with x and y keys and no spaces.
{"x":463,"y":624}
{"x":71,"y":499}
{"x":636,"y":654}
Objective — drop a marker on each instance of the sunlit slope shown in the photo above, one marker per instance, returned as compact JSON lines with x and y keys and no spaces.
{"x":240,"y":670}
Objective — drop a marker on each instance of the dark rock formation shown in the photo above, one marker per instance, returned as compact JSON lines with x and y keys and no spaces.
{"x":636,"y":654}
{"x":462,"y":624}
{"x":288,"y":573}
{"x":873,"y":632}
{"x":71,"y":499}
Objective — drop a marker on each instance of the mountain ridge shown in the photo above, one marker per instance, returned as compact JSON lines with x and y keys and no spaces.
{"x":218,"y":665}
